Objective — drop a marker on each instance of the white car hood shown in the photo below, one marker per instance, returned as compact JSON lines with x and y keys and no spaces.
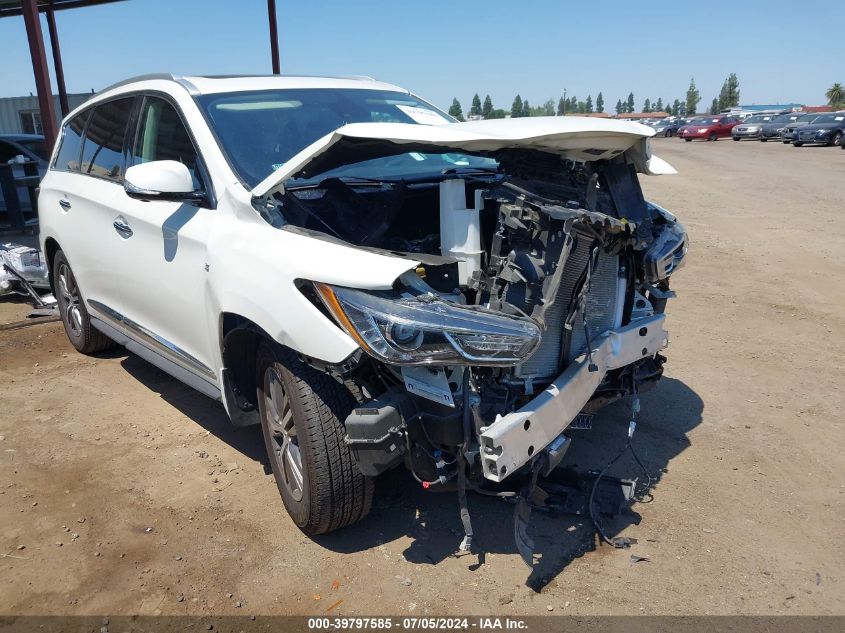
{"x":575,"y":138}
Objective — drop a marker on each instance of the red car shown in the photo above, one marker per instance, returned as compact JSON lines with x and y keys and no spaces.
{"x":709,"y":127}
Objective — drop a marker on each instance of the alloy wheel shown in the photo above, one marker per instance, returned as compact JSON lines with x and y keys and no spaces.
{"x":283,"y":435}
{"x":69,"y":296}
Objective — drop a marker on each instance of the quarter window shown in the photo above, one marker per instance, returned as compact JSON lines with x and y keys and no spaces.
{"x":68,"y":156}
{"x":102,"y":150}
{"x":162,"y":136}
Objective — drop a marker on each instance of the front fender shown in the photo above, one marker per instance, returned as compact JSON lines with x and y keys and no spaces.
{"x":254,"y":270}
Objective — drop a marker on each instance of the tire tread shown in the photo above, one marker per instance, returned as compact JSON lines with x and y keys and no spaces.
{"x":339,"y":494}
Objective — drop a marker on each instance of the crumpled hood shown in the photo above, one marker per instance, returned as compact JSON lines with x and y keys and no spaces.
{"x":575,"y":138}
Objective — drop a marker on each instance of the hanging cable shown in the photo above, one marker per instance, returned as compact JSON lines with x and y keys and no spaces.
{"x":632,"y":426}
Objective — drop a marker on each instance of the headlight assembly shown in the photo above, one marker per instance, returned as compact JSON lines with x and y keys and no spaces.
{"x":427,"y":330}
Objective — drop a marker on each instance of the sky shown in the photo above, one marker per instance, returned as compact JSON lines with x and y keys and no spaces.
{"x":443,"y":49}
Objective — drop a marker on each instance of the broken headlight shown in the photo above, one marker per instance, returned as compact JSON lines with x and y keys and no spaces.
{"x":426,"y":330}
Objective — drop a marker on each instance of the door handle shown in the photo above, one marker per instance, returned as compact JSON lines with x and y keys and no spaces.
{"x":64,"y":204}
{"x":122,"y":227}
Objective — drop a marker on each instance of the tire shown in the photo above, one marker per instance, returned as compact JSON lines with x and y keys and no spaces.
{"x":736,"y":138}
{"x":764,"y":140}
{"x":668,"y":134}
{"x":713,"y":137}
{"x":302,"y":414}
{"x":688,"y":140}
{"x":77,"y":323}
{"x":836,"y":140}
{"x":796,"y":144}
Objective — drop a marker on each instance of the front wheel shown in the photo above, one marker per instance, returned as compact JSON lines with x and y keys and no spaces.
{"x":837,"y":138}
{"x":302,"y":421}
{"x":668,"y":134}
{"x":713,"y":137}
{"x":82,"y":335}
{"x":736,"y":138}
{"x":688,"y":140}
{"x":763,"y":140}
{"x":796,"y":144}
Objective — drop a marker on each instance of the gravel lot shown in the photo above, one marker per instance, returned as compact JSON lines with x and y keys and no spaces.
{"x":121,"y":491}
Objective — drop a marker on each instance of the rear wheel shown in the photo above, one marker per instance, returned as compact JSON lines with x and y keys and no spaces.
{"x":302,"y":415}
{"x":763,"y":140}
{"x":82,"y":335}
{"x":668,"y":133}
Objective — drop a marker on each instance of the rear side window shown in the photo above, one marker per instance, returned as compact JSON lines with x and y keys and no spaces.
{"x":102,"y":149}
{"x":68,"y":156}
{"x":162,"y":136}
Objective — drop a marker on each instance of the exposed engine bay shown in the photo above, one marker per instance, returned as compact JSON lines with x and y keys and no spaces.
{"x":538,"y":297}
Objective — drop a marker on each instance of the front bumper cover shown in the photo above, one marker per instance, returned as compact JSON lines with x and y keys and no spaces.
{"x":513,"y":439}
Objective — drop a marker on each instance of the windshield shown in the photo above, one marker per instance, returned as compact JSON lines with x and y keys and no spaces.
{"x":783,"y":118}
{"x":808,"y":117}
{"x":259,"y":131}
{"x":704,"y":121}
{"x":829,"y":118}
{"x":760,"y":118}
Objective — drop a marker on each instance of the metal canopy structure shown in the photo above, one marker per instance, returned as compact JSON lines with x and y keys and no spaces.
{"x":30,"y":10}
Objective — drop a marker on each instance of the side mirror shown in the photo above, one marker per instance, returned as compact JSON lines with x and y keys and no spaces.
{"x":161,"y":180}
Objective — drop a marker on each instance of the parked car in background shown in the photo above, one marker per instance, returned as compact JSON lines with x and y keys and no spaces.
{"x":801,"y":121}
{"x":667,"y":127}
{"x":752,"y":127}
{"x":825,"y":129}
{"x":32,"y":147}
{"x":319,"y":255}
{"x":774,"y":129}
{"x":711,"y":128}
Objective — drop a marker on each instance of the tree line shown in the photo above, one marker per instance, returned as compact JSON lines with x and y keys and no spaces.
{"x":728,"y":97}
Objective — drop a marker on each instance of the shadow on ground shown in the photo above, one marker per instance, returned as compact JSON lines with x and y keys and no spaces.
{"x":402,"y":508}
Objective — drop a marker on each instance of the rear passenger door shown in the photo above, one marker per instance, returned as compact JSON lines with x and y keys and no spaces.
{"x":84,"y":190}
{"x":162,"y":256}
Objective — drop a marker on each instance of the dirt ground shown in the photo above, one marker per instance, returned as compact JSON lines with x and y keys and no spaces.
{"x":122,"y":491}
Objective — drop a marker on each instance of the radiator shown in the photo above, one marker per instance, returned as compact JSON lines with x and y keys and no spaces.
{"x":603,"y":312}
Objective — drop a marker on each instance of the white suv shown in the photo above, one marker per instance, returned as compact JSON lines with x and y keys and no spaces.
{"x":370,"y":280}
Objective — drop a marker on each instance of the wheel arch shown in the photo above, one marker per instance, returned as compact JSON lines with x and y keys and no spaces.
{"x":239,"y":338}
{"x":51,"y":247}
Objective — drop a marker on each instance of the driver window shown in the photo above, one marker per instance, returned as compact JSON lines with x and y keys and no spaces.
{"x":162,"y":136}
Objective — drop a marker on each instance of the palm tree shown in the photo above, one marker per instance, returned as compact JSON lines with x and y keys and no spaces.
{"x":835,"y":94}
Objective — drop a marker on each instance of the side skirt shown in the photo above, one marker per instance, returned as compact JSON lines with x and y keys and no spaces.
{"x":156,"y":358}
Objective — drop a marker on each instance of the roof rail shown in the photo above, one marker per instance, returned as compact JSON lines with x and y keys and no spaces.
{"x":242,"y":76}
{"x":147,"y":77}
{"x":193,"y":89}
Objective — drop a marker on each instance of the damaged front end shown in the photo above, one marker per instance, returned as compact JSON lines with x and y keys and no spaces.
{"x":539,"y":296}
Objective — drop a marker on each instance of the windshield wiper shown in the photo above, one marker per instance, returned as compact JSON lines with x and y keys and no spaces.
{"x":471,"y":170}
{"x":355,"y":181}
